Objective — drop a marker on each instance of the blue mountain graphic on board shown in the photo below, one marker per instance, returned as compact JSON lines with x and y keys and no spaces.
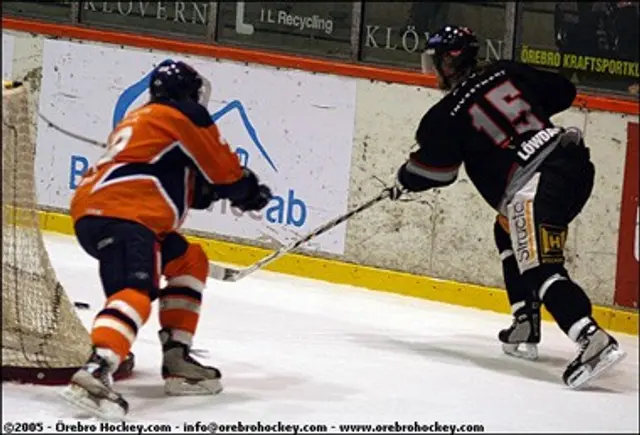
{"x":129,"y":96}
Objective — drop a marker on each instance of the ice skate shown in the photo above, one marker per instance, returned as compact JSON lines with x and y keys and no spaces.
{"x":522,"y":337}
{"x":91,"y":390}
{"x":183,"y":375}
{"x":598,"y":352}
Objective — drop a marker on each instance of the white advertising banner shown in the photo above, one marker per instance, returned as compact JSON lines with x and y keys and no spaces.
{"x":293,"y":128}
{"x":8,"y":43}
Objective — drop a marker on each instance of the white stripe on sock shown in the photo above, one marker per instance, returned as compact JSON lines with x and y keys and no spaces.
{"x":106,"y":322}
{"x":112,"y":358}
{"x":515,"y":307}
{"x":186,"y":281}
{"x":577,"y":328}
{"x":171,"y":303}
{"x":127,"y":310}
{"x":545,"y":285}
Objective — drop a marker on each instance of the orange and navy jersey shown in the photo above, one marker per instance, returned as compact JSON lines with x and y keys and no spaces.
{"x":147,"y":173}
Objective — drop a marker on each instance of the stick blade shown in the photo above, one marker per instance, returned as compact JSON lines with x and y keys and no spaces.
{"x":231,"y":275}
{"x":221,"y":273}
{"x":217,"y":272}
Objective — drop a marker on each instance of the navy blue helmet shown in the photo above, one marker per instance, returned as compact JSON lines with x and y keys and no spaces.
{"x":175,"y":80}
{"x":451,"y":53}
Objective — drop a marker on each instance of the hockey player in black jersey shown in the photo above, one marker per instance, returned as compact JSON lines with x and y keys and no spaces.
{"x":496,"y":120}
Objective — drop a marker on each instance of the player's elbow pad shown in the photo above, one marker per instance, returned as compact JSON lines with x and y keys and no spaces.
{"x":415,"y":182}
{"x":203,"y":194}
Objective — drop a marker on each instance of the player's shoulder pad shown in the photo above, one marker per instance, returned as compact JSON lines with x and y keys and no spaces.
{"x":195,"y":112}
{"x":511,"y":66}
{"x":434,"y":121}
{"x":440,"y":112}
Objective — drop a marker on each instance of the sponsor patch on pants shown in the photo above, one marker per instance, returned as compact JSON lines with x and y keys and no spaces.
{"x":552,"y":241}
{"x":523,"y":236}
{"x":522,"y":227}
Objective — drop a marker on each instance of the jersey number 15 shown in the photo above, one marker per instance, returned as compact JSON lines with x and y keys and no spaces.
{"x":507,"y":100}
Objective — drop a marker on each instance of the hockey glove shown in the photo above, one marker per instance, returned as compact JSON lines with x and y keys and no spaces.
{"x":413,"y":182}
{"x":255,"y":200}
{"x":246,"y":194}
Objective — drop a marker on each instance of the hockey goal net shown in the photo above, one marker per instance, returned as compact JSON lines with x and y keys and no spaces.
{"x":43,"y":340}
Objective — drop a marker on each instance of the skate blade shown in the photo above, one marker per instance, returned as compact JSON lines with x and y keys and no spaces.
{"x":530,"y":351}
{"x":608,"y":359}
{"x":101,"y":408}
{"x":182,"y":387}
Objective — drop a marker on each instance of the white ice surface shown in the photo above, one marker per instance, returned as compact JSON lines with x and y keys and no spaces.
{"x":302,"y":351}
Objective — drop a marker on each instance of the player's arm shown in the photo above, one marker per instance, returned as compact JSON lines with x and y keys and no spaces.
{"x":220,"y":175}
{"x":436,"y":162}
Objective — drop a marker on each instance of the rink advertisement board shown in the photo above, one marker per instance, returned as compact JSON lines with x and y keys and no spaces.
{"x":627,"y":282}
{"x":294,"y":128}
{"x":8,"y":42}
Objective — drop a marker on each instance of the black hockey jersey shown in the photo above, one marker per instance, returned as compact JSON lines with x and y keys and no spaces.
{"x":496,"y":122}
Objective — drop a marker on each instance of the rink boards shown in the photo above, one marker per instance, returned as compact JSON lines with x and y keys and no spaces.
{"x":338,"y":272}
{"x":354,"y":131}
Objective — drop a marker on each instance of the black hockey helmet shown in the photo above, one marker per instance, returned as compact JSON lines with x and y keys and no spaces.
{"x":450,"y":53}
{"x":175,"y":80}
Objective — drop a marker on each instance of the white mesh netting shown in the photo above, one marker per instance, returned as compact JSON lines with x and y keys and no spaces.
{"x":41,"y":333}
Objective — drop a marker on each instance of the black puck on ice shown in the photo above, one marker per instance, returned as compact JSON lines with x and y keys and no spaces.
{"x":82,"y":305}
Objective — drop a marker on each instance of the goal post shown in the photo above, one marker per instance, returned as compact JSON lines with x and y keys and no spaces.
{"x":43,"y":339}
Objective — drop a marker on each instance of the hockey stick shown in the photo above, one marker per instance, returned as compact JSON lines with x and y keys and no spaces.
{"x":71,"y":134}
{"x":230,"y":274}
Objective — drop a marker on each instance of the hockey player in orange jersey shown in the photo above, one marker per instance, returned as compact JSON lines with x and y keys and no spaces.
{"x":162,"y":159}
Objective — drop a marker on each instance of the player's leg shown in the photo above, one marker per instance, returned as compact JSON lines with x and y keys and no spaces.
{"x":522,"y":337}
{"x":126,"y":252}
{"x":538,"y":220}
{"x":185,"y":267}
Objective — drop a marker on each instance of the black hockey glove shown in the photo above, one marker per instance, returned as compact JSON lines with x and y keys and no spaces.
{"x":246,"y":194}
{"x":414,"y":182}
{"x":256,"y":199}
